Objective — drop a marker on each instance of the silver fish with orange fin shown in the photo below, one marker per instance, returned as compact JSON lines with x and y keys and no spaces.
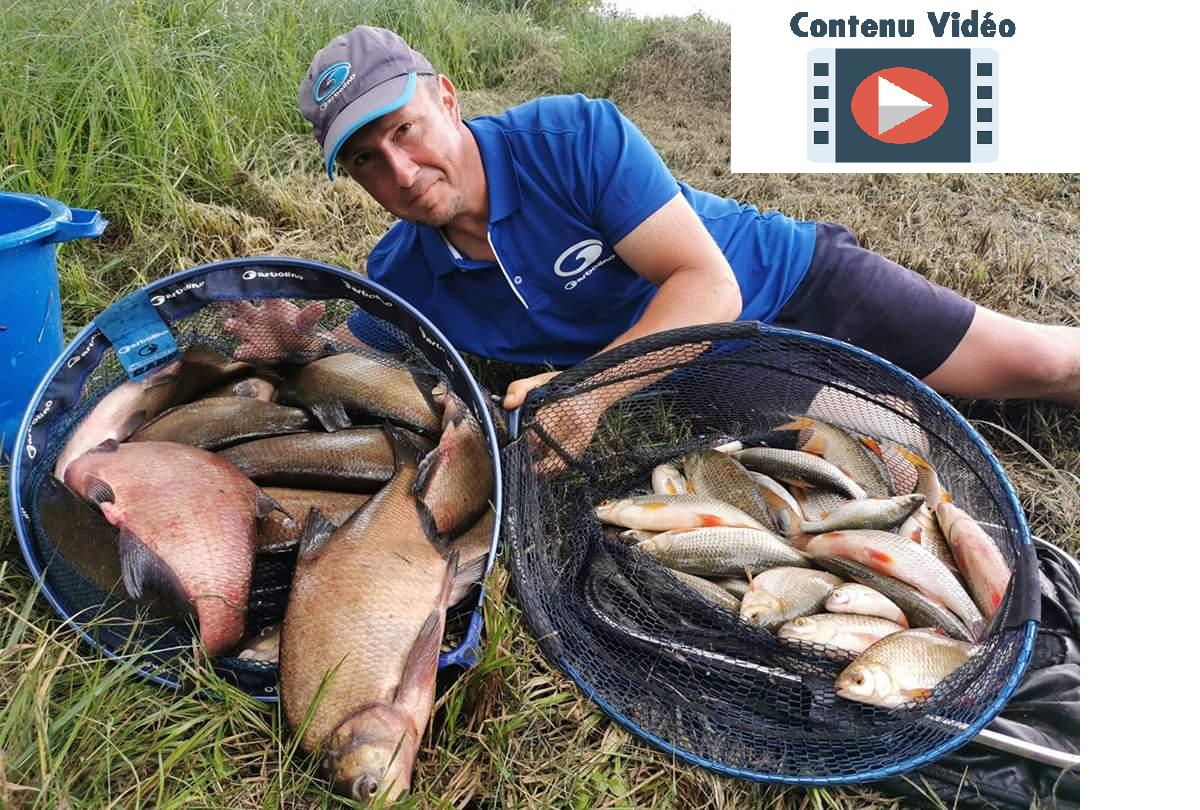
{"x":845,"y":632}
{"x":979,"y":559}
{"x":717,"y":475}
{"x":799,"y":466}
{"x":884,"y":416}
{"x":901,"y":668}
{"x":785,"y":512}
{"x":928,"y":483}
{"x":666,"y":479}
{"x":779,"y":594}
{"x":922,"y":528}
{"x":861,"y":600}
{"x":665,"y":512}
{"x":840,"y":449}
{"x":721,"y":550}
{"x":711,"y":591}
{"x":865,"y":513}
{"x":919,"y":609}
{"x":816,"y":503}
{"x":901,"y":474}
{"x":893,"y":555}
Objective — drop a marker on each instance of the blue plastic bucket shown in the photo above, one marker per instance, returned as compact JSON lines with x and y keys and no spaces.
{"x":31,"y":334}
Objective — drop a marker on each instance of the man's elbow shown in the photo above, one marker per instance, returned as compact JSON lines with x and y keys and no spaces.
{"x":729,"y":298}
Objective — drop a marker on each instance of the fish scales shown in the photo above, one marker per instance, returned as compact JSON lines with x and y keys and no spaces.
{"x":865,"y":513}
{"x":841,"y":449}
{"x":278,"y":531}
{"x":841,"y":631}
{"x":855,"y":598}
{"x":132,"y":404}
{"x":192,"y":535}
{"x":920,"y":610}
{"x":979,"y":558}
{"x":721,"y":551}
{"x":665,"y":512}
{"x":779,"y":594}
{"x":364,"y":603}
{"x":454,"y":481}
{"x":905,"y":560}
{"x":214,"y":423}
{"x":352,"y":460}
{"x":902,"y":668}
{"x":333,"y":387}
{"x":720,"y":476}
{"x":797,"y":465}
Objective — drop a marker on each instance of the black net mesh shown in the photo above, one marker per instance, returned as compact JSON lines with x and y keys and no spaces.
{"x":675,"y":668}
{"x":75,"y":549}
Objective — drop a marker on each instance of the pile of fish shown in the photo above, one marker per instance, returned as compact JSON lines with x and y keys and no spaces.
{"x":833,"y":538}
{"x":377,"y":472}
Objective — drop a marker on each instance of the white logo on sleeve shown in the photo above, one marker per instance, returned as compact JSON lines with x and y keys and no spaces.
{"x":581,"y":257}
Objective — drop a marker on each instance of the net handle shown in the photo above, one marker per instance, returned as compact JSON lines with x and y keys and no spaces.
{"x":1009,"y":744}
{"x":1006,"y":742}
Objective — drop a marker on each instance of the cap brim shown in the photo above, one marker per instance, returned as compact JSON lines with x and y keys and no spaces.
{"x":380,"y":100}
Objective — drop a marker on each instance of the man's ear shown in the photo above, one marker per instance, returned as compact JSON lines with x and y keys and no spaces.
{"x":448,"y":96}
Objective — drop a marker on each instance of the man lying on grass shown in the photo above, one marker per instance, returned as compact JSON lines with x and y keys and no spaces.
{"x":554,"y":231}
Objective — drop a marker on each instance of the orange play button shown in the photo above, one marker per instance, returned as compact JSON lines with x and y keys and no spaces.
{"x":899,"y":105}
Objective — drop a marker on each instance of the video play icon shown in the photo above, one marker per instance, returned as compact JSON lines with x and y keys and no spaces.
{"x":903,"y":105}
{"x":899,"y":105}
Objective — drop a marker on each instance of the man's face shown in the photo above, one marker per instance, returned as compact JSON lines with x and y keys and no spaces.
{"x":411,"y":160}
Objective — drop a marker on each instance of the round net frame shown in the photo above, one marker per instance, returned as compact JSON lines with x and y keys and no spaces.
{"x":71,"y":553}
{"x":686,"y":675}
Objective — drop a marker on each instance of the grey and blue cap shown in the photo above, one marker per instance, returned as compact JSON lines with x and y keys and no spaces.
{"x":355,"y":79}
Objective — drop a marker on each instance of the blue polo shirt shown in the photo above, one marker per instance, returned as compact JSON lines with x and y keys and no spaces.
{"x":567,"y":178}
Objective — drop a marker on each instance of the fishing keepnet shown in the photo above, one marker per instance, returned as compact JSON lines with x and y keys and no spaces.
{"x":73,"y":550}
{"x":683,"y":673}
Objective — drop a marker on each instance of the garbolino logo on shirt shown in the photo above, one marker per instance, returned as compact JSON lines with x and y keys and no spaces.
{"x":586,"y":256}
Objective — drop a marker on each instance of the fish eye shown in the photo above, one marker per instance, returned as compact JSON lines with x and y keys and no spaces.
{"x":859,"y":679}
{"x":365,"y":787}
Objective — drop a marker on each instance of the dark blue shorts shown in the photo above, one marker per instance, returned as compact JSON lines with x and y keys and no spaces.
{"x":859,"y":297}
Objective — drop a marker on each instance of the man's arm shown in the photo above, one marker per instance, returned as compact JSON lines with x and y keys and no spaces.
{"x":675,"y":252}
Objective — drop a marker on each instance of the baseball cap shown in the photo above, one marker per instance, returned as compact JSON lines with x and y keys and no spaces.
{"x":355,"y":79}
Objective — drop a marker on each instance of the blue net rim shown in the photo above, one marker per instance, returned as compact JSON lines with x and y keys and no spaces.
{"x":1023,"y":539}
{"x":464,"y":655}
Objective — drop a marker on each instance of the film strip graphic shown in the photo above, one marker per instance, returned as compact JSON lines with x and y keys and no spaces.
{"x":914,"y":105}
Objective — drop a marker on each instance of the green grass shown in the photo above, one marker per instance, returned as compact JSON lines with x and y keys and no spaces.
{"x":176,"y":119}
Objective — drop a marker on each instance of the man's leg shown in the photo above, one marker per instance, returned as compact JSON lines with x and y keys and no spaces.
{"x":957,"y":347}
{"x":1004,"y":358}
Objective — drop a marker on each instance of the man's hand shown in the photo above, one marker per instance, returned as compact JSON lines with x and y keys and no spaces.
{"x":519,"y":389}
{"x":569,"y":424}
{"x":274,"y":331}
